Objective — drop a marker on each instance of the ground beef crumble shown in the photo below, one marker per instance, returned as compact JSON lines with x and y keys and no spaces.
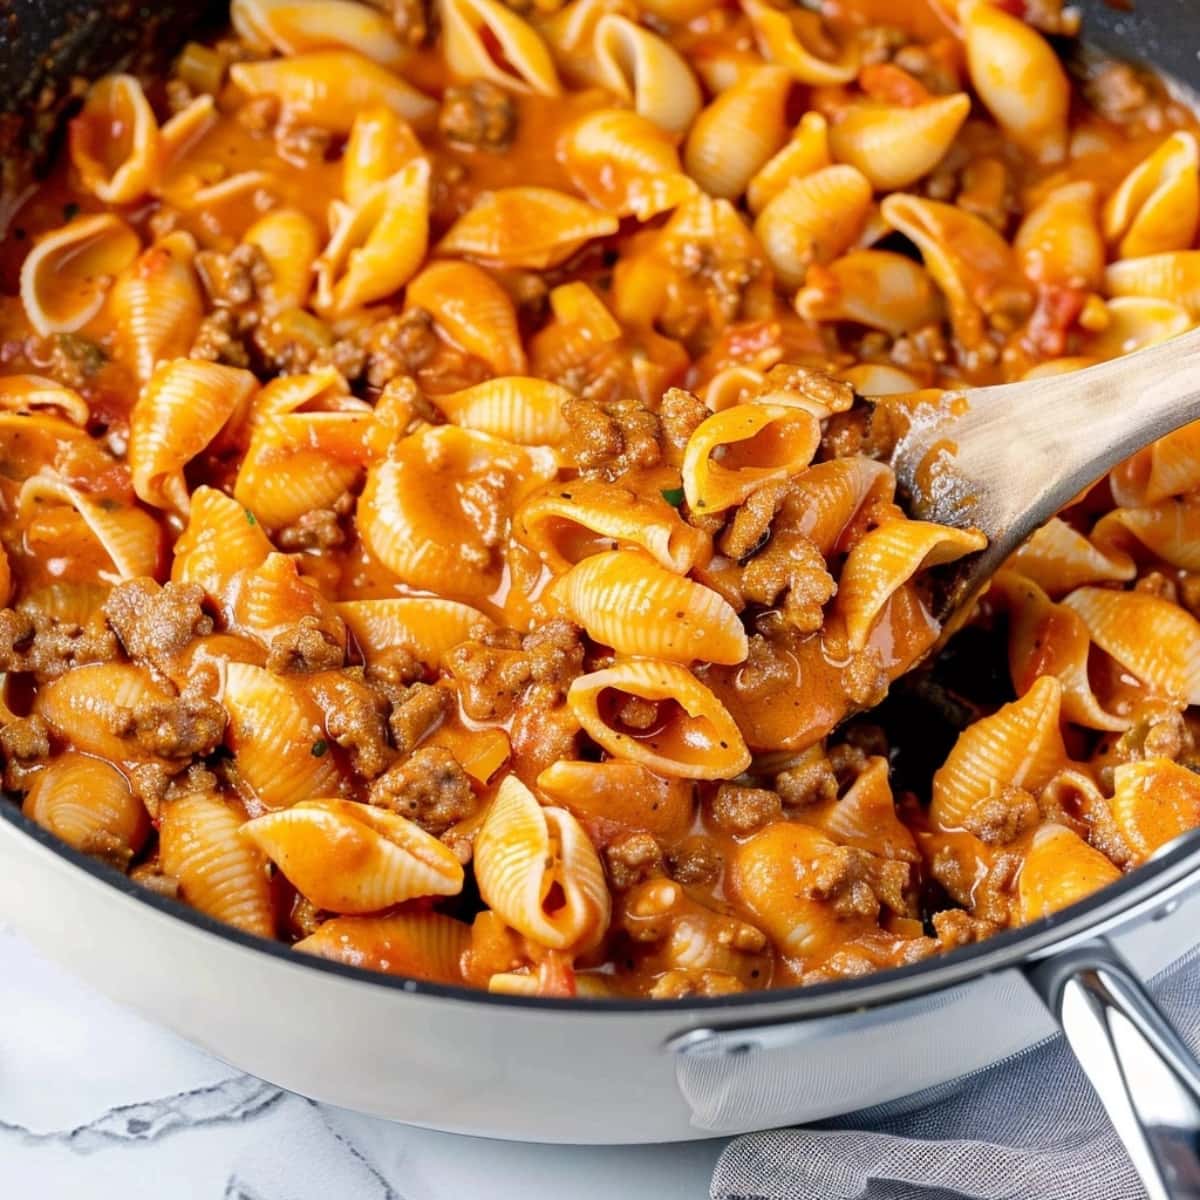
{"x":428,"y":787}
{"x":25,"y":745}
{"x":190,"y":724}
{"x":303,"y":647}
{"x":317,"y":529}
{"x":33,"y":643}
{"x":415,"y":712}
{"x":742,"y":810}
{"x":495,"y":671}
{"x":354,"y":718}
{"x":398,"y":345}
{"x":680,"y":414}
{"x":606,"y":440}
{"x":154,"y":623}
{"x":478,"y":115}
{"x":631,"y":859}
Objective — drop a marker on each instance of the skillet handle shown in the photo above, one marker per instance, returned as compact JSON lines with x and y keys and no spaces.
{"x":1145,"y":1076}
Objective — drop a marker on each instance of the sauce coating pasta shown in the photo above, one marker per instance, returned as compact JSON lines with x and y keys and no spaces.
{"x":442,"y":527}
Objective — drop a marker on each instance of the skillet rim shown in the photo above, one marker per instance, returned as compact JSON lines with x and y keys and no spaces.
{"x":1131,"y":894}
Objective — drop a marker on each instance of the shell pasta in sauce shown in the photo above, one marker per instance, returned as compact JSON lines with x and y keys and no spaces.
{"x":445,"y":520}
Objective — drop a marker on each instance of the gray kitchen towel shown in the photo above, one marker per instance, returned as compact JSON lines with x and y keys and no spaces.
{"x":1028,"y":1129}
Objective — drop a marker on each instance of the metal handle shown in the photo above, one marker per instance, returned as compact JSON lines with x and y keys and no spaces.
{"x":1143,"y":1073}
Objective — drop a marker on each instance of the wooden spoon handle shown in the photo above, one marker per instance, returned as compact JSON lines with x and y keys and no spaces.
{"x":1005,"y":459}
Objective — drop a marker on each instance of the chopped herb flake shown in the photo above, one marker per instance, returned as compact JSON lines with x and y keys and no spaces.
{"x":673,"y":496}
{"x":319,"y":747}
{"x":70,"y":211}
{"x":250,"y":518}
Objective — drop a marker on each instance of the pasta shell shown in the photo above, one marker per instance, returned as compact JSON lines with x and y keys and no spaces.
{"x":871,"y":287}
{"x":380,"y":143}
{"x":300,"y":463}
{"x":1059,"y":242}
{"x":66,"y":276}
{"x":329,"y":88}
{"x":473,"y":311}
{"x":378,"y":246}
{"x":674,"y":10}
{"x":733,"y":453}
{"x":579,"y":329}
{"x":625,"y":600}
{"x":267,"y":599}
{"x":866,"y":817}
{"x":624,"y":164}
{"x":88,"y":804}
{"x":423,"y":511}
{"x":967,"y":258}
{"x":1167,"y":467}
{"x":90,"y":708}
{"x":887,"y":558}
{"x":893,"y":145}
{"x":129,"y":537}
{"x":532,"y":227}
{"x":277,"y":738}
{"x":426,"y":627}
{"x":564,"y":526}
{"x":1058,"y":558}
{"x":1156,"y":208}
{"x":289,"y":242}
{"x":1059,"y":869}
{"x":1020,"y":744}
{"x":589,"y":986}
{"x":623,"y":793}
{"x":878,"y":379}
{"x":824,"y":503}
{"x":646,"y":71}
{"x":182,"y":408}
{"x":1153,"y":639}
{"x":537,"y":870}
{"x":1154,"y":801}
{"x":321,"y":390}
{"x":1135,"y":322}
{"x":180,"y":133}
{"x":29,"y":393}
{"x":70,"y":603}
{"x":796,"y":39}
{"x":1174,"y":276}
{"x":570,"y":33}
{"x":1049,"y":639}
{"x":220,"y":213}
{"x":470,"y":28}
{"x":1017,"y":75}
{"x":696,"y":737}
{"x":418,"y":945}
{"x":220,"y":539}
{"x":294,"y":26}
{"x":114,"y":141}
{"x":480,"y":752}
{"x":156,"y":304}
{"x":219,"y":872}
{"x":775,"y":875}
{"x":1170,"y":530}
{"x":813,"y":219}
{"x":352,"y":858}
{"x":806,"y":152}
{"x":737,"y":133}
{"x":519,"y":408}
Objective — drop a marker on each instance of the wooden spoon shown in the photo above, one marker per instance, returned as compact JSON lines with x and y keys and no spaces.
{"x":1005,"y":459}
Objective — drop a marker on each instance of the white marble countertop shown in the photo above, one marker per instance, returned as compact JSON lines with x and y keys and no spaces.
{"x":98,"y":1104}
